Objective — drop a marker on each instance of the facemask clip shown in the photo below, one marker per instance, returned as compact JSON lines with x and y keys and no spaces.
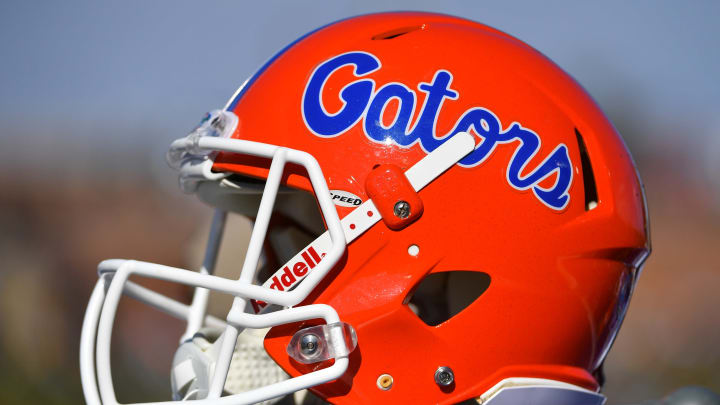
{"x":323,"y":342}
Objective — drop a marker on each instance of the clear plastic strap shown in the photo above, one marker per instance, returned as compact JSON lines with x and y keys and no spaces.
{"x":323,"y":342}
{"x":216,"y":124}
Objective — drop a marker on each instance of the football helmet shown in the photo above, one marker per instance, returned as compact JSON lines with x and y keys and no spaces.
{"x":477,"y":227}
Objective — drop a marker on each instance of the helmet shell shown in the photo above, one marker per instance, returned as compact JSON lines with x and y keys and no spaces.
{"x":561,"y":259}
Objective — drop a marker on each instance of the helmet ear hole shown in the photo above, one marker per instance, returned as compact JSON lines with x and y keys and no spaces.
{"x":440,"y":296}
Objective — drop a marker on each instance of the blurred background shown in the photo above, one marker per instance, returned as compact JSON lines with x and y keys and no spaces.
{"x":92,"y":93}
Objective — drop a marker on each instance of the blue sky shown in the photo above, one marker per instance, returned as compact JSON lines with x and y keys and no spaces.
{"x":92,"y":69}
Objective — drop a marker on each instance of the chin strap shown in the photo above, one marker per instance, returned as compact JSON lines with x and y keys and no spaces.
{"x":250,"y":368}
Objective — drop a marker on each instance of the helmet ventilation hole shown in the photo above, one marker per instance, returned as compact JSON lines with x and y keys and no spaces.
{"x":394,"y":33}
{"x":441,"y":296}
{"x":591,"y":196}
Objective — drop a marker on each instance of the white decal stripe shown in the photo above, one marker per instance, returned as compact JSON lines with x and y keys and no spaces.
{"x":366,"y":215}
{"x":439,"y":160}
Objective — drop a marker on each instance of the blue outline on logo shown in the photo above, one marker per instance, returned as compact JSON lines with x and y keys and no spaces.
{"x":361,"y":100}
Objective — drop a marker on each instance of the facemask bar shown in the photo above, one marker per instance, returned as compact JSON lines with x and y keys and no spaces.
{"x":198,"y":308}
{"x":114,"y":273}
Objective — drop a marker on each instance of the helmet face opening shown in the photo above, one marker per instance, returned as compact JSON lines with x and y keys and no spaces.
{"x":439,"y":213}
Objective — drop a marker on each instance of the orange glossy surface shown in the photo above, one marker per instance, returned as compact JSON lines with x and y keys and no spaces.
{"x":557,"y":276}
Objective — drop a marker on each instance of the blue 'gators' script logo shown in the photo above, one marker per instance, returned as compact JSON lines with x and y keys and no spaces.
{"x":361,"y":101}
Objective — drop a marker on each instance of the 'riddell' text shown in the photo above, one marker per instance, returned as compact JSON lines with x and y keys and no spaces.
{"x":291,"y":274}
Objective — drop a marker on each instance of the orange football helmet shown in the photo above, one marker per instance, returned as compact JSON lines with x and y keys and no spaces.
{"x":485,"y":224}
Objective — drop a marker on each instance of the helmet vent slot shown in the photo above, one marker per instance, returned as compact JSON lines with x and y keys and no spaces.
{"x":591,"y":195}
{"x":441,"y":296}
{"x":394,"y":33}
